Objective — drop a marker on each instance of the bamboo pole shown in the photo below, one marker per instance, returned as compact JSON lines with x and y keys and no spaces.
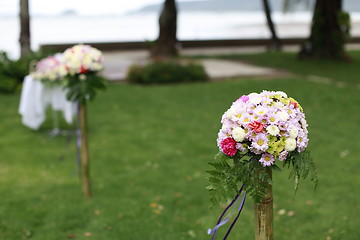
{"x":84,"y":151}
{"x":264,"y":215}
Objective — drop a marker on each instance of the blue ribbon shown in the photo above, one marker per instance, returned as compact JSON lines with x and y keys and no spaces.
{"x":223,"y":220}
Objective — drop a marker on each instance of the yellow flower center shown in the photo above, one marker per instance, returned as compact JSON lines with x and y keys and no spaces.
{"x":272,"y":119}
{"x":267,"y":158}
{"x":260,"y":142}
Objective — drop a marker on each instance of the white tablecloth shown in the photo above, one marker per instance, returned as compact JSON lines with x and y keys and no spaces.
{"x":36,"y":97}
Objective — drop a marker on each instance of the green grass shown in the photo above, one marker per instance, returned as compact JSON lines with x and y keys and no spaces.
{"x":338,"y":71}
{"x":149,"y":151}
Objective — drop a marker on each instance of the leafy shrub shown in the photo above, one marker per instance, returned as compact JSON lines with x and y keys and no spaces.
{"x":166,"y":72}
{"x":13,"y":72}
{"x":8,"y":84}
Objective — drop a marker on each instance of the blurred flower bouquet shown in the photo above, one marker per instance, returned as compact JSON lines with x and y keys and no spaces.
{"x":259,"y":131}
{"x":83,"y":63}
{"x":50,"y":70}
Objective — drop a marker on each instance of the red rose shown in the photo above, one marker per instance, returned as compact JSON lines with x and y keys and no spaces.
{"x":228,"y":146}
{"x":257,"y":126}
{"x":83,"y":70}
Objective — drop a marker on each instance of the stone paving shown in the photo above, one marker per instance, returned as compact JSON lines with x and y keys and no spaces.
{"x":118,"y":62}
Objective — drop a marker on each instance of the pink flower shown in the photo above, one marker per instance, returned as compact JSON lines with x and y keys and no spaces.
{"x":256,"y":126}
{"x":244,"y":98}
{"x":228,"y":146}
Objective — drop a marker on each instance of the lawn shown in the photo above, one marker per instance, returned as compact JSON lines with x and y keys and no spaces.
{"x":149,"y":149}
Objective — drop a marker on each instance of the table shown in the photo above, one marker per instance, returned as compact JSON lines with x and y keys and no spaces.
{"x":36,"y":97}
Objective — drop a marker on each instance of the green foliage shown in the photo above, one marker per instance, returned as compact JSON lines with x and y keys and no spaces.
{"x":231,"y":172}
{"x":302,"y":166}
{"x":9,"y":76}
{"x":13,"y":72}
{"x":244,"y":168}
{"x":83,"y":87}
{"x":8,"y":84}
{"x":162,"y":72}
{"x":344,"y":22}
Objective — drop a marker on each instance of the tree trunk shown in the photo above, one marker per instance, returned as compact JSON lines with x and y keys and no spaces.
{"x":165,"y":45}
{"x":25,"y":47}
{"x":276,"y":43}
{"x":264,"y":215}
{"x":84,"y":151}
{"x":327,"y":39}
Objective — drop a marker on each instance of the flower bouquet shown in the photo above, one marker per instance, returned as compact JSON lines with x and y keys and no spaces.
{"x":259,"y":132}
{"x":50,"y":70}
{"x":83,"y":64}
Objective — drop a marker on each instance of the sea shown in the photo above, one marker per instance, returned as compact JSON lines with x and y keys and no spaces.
{"x":144,"y":27}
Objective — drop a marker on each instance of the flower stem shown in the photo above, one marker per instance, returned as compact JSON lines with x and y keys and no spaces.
{"x":85,"y":166}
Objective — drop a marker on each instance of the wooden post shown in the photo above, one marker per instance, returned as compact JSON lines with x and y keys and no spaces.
{"x":264,"y":215}
{"x":84,"y":151}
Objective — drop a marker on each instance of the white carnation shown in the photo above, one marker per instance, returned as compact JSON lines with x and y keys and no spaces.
{"x":51,"y":76}
{"x":82,"y":77}
{"x":281,"y":93}
{"x":238,"y":134}
{"x":230,"y":113}
{"x":96,"y":67}
{"x":87,"y":60}
{"x":290,"y":144}
{"x":273,"y":130}
{"x":293,"y":133}
{"x":283,"y":116}
{"x":255,"y":100}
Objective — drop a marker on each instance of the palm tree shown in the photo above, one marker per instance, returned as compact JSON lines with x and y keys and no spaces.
{"x":165,"y":45}
{"x":329,"y":31}
{"x":276,"y":43}
{"x":25,"y":47}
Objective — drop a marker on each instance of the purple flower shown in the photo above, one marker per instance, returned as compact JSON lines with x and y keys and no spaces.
{"x":302,"y":141}
{"x":241,"y":147}
{"x":267,"y":159}
{"x":283,"y":155}
{"x":260,"y":142}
